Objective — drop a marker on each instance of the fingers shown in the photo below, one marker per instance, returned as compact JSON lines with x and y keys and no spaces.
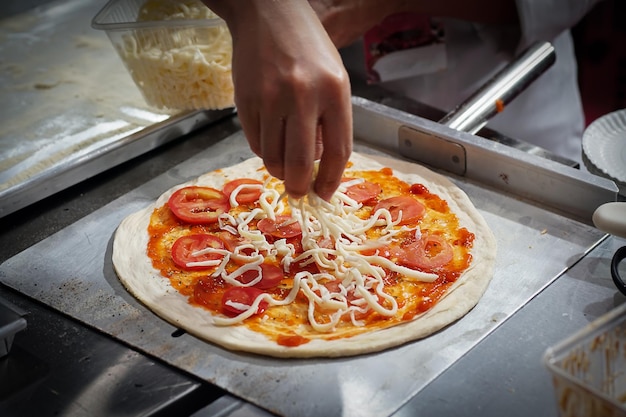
{"x":319,"y":144}
{"x":336,"y":132}
{"x":292,"y":95}
{"x":250,"y":123}
{"x":289,"y":145}
{"x":272,"y":136}
{"x":247,"y":104}
{"x":300,"y":139}
{"x":289,"y":148}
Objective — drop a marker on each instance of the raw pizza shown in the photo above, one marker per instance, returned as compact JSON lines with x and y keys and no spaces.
{"x":396,"y":255}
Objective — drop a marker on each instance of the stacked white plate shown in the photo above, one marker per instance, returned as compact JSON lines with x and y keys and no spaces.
{"x":604,"y":148}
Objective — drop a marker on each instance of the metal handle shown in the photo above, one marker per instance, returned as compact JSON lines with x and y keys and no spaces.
{"x":619,"y":256}
{"x":611,"y":218}
{"x":471,"y":115}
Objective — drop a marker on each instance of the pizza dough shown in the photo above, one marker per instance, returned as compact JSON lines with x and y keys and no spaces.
{"x":134,"y":268}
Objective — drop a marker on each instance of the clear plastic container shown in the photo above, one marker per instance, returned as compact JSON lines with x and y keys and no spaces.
{"x":589,"y":368}
{"x":178,"y":52}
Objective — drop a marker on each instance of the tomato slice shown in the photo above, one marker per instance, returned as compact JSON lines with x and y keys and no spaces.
{"x":283,"y":227}
{"x":363,"y":192}
{"x":241,"y":295}
{"x":333,"y":285}
{"x":271,"y":276}
{"x":233,"y":242}
{"x":198,"y":205}
{"x":184,"y":248}
{"x":304,"y":266}
{"x":387,"y":251}
{"x":430,"y":252}
{"x":410,"y":209}
{"x":208,"y":292}
{"x":230,"y":240}
{"x":246,"y":194}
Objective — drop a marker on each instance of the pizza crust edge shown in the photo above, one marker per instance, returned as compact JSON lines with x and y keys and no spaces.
{"x":135,"y":271}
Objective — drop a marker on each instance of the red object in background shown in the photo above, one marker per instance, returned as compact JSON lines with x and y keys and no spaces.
{"x":600,"y":41}
{"x":399,"y":32}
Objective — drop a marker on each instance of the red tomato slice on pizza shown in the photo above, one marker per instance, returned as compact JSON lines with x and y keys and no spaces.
{"x":386,"y":251}
{"x":283,"y":227}
{"x":207,"y":291}
{"x":271,"y":276}
{"x":198,"y":205}
{"x":409,"y":208}
{"x":237,"y":299}
{"x":230,"y":240}
{"x":429,"y":253}
{"x":363,"y":192}
{"x":249,"y":193}
{"x":196,"y":248}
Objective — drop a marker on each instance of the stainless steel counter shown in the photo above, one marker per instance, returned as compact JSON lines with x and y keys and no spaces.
{"x":70,"y":109}
{"x":60,"y":367}
{"x":71,"y":272}
{"x":502,"y":374}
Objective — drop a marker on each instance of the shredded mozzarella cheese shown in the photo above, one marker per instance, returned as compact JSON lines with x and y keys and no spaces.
{"x":360,"y":277}
{"x":233,"y":196}
{"x":180,"y":68}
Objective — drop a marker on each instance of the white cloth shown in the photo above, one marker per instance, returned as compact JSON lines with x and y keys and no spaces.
{"x":548,"y":113}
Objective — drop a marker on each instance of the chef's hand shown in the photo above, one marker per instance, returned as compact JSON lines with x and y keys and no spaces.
{"x":292,"y":91}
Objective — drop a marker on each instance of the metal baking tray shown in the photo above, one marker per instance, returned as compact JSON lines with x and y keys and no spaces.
{"x":540,"y":235}
{"x":70,"y":109}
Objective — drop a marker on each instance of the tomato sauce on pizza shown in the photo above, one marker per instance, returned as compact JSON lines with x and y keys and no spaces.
{"x":383,"y":253}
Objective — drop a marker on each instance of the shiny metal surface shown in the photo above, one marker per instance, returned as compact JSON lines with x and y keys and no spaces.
{"x":227,"y":406}
{"x":505,"y":374}
{"x":433,"y":150}
{"x":57,"y":368}
{"x":547,"y":183}
{"x":474,"y":113}
{"x":378,"y":94}
{"x":70,"y":109}
{"x":54,"y":341}
{"x":535,"y":247}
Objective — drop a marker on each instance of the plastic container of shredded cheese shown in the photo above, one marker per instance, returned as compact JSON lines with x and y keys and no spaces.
{"x":589,"y":368}
{"x":178,"y":52}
